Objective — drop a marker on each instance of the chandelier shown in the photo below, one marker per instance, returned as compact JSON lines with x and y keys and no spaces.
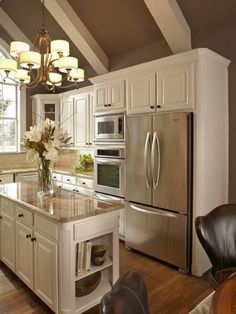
{"x":44,"y":64}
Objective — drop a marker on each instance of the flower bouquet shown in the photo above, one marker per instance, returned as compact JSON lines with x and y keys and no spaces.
{"x":43,"y":144}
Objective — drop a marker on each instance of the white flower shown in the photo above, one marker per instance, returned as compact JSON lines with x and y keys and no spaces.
{"x":34,"y":135}
{"x":51,"y":154}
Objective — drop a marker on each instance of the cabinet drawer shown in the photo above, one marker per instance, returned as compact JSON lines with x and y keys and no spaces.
{"x":68,"y":179}
{"x":7,"y":206}
{"x":86,"y":183}
{"x":24,"y":215}
{"x":57,"y":176}
{"x":92,"y":227}
{"x":45,"y":226}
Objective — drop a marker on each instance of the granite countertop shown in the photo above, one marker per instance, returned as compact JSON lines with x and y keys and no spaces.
{"x":67,"y":171}
{"x":63,"y":206}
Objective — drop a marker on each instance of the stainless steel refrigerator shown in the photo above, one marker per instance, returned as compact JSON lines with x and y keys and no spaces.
{"x":159,"y":186}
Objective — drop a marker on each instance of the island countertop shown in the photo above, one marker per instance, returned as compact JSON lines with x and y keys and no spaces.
{"x":63,"y":206}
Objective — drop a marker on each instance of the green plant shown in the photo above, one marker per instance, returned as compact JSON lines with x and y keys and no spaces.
{"x":85,"y":163}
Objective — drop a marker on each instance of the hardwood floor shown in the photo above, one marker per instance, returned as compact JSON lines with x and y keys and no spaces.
{"x":169,"y":291}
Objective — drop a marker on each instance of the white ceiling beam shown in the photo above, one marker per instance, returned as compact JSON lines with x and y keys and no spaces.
{"x":67,"y":18}
{"x":12,"y":29}
{"x":172,"y":24}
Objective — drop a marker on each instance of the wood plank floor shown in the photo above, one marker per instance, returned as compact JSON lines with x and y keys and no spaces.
{"x":169,"y":291}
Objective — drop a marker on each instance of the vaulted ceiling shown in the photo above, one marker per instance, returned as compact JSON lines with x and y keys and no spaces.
{"x":119,"y":33}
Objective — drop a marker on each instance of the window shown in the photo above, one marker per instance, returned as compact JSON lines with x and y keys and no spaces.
{"x":9,"y":115}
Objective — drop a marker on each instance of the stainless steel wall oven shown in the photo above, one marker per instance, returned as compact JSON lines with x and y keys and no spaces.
{"x":109,"y":169}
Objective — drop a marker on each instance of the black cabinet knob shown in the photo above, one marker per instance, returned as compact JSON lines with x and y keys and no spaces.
{"x":109,"y":105}
{"x":152,"y":107}
{"x":87,"y":143}
{"x":83,"y":182}
{"x":158,"y":106}
{"x":0,"y":217}
{"x":20,"y":215}
{"x":0,"y":180}
{"x":68,"y":180}
{"x":105,"y":105}
{"x":28,"y":236}
{"x":33,"y":239}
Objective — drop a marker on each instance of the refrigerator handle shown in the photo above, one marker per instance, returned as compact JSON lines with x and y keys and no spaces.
{"x":146,"y":166}
{"x":155,"y":172}
{"x":156,"y":212}
{"x":157,"y":143}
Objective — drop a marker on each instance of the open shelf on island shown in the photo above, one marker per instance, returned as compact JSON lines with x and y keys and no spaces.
{"x":86,"y":302}
{"x":94,"y":269}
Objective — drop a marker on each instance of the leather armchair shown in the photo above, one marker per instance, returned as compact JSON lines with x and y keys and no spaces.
{"x":127,"y":296}
{"x":217,"y":233}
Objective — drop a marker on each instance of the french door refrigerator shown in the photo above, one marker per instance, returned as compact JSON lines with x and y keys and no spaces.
{"x":159,"y":186}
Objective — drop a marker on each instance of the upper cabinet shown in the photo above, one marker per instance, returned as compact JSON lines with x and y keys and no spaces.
{"x":141,"y":93}
{"x":110,"y":95}
{"x":175,"y":87}
{"x":45,"y":106}
{"x":76,"y":115}
{"x":83,"y":119}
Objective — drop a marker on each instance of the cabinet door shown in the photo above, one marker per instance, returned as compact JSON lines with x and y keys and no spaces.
{"x":81,"y":122}
{"x":100,"y":92}
{"x":8,"y":241}
{"x":141,"y":95}
{"x":6,"y":178}
{"x":66,"y":115}
{"x":24,"y":253}
{"x":175,"y":88}
{"x":91,"y":119}
{"x":116,"y":96}
{"x":45,"y":270}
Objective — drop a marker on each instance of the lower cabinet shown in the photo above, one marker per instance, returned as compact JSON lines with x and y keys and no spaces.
{"x":8,"y":241}
{"x":45,"y":270}
{"x":24,"y":253}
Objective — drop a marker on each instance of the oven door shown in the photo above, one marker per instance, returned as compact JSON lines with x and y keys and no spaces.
{"x":109,"y":128}
{"x":109,"y":176}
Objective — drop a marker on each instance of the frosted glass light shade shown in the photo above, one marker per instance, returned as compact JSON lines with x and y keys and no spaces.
{"x":60,"y":46}
{"x":30,"y":58}
{"x":67,"y":63}
{"x":22,"y":75}
{"x":18,"y":46}
{"x":55,"y":78}
{"x":76,"y":75}
{"x":8,"y":65}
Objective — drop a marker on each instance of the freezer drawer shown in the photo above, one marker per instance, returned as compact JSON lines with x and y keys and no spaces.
{"x":158,"y":233}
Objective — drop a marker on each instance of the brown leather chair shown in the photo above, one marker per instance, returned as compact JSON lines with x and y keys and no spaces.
{"x":217,"y":234}
{"x":127,"y":296}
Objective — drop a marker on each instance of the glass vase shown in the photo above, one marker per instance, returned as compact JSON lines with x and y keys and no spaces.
{"x":45,"y":184}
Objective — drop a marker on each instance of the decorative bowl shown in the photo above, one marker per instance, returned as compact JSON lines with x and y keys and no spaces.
{"x":98,"y":250}
{"x":87,"y":284}
{"x":97,"y":260}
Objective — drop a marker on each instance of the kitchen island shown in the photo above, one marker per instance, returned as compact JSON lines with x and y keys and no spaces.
{"x":40,"y":237}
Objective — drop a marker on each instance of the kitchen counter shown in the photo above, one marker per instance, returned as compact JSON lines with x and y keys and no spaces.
{"x":63,"y":206}
{"x":68,"y":171}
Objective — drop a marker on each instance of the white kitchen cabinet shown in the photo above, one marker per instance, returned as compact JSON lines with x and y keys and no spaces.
{"x":24,"y":253}
{"x":45,"y":106}
{"x":110,"y":95}
{"x":83,"y":113}
{"x":67,"y":114}
{"x":8,"y":240}
{"x":141,"y":93}
{"x":176,"y":87}
{"x":6,"y":178}
{"x":45,"y":270}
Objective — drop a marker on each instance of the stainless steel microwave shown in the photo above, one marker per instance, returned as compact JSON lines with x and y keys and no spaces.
{"x":109,"y":128}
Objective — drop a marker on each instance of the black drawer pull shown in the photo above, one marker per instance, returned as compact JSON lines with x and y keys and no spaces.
{"x":20,"y":215}
{"x":33,"y":239}
{"x":28,"y":236}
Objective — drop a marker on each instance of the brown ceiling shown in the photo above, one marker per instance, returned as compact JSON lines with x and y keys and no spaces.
{"x":125,"y":30}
